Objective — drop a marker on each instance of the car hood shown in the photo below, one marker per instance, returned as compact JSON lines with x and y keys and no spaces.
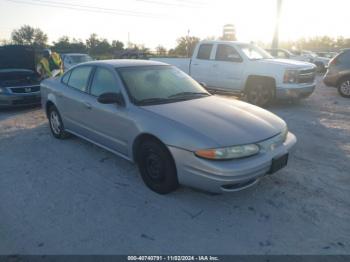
{"x":226,"y":121}
{"x":323,"y":59}
{"x":288,"y":63}
{"x":17,"y":57}
{"x":18,"y":77}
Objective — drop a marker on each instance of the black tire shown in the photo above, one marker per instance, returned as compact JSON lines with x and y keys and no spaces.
{"x":344,"y":87}
{"x":259,"y":92}
{"x":320,"y":68}
{"x":57,"y":128}
{"x":157,"y":167}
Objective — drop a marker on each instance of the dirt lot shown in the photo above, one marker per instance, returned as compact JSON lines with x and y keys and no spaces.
{"x":71,"y":197}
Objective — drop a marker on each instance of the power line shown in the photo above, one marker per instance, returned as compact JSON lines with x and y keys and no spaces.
{"x":83,"y":8}
{"x":178,"y":4}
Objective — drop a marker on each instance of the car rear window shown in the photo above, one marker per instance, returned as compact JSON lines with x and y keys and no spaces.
{"x":79,"y":78}
{"x":204,"y":51}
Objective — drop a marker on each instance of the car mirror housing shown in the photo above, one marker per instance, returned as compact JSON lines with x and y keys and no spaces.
{"x":111,"y":98}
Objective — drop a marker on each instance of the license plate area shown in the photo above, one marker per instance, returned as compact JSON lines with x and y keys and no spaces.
{"x":278,"y":163}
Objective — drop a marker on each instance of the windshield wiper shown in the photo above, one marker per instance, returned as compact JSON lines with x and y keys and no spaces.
{"x":182,"y":94}
{"x":153,"y":100}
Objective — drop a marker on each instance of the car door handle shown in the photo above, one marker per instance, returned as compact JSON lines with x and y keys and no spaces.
{"x":194,"y":64}
{"x":87,"y":105}
{"x":59,"y":95}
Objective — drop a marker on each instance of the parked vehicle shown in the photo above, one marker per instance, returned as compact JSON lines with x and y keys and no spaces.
{"x":306,"y":56}
{"x":73,"y":59}
{"x":245,"y":69}
{"x":338,"y":73}
{"x":155,"y":115}
{"x":328,"y":55}
{"x":19,"y":81}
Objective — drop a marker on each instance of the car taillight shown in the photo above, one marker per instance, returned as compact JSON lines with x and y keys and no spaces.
{"x":333,"y":61}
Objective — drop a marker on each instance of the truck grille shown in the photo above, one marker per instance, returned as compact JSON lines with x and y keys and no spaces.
{"x":25,"y":89}
{"x":306,"y":76}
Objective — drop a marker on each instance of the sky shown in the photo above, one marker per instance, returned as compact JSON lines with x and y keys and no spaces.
{"x":161,"y":22}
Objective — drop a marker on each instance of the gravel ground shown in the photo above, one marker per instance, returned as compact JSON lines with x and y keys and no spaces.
{"x":71,"y":197}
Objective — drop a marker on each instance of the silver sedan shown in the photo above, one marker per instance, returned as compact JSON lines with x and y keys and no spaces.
{"x":176,"y":132}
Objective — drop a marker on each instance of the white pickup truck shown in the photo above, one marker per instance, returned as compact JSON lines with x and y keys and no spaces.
{"x":245,"y":69}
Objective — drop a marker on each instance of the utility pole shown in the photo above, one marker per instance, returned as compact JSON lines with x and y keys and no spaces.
{"x":278,"y":17}
{"x":188,"y":42}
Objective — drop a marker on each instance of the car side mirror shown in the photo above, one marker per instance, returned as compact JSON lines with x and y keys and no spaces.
{"x":111,"y":98}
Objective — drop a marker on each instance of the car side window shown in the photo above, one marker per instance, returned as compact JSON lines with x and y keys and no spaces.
{"x":103,"y":82}
{"x":79,"y":78}
{"x":204,"y":51}
{"x":227,"y":53}
{"x":65,"y":77}
{"x":344,"y":58}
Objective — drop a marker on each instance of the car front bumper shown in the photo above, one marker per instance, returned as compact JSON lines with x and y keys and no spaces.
{"x":226,"y":176}
{"x":295,"y":91}
{"x":17,"y":100}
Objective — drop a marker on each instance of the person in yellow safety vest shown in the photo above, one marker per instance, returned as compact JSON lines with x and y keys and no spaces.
{"x":48,"y":63}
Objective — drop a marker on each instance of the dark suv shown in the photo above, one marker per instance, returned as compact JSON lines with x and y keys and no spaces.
{"x":338,"y":73}
{"x":19,"y":82}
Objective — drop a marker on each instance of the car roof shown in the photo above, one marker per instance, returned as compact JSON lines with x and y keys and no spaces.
{"x":118,"y":63}
{"x":223,"y":42}
{"x":73,"y":54}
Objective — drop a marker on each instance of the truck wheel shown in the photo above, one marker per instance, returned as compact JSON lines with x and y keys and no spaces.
{"x":344,"y":87}
{"x":259,"y":93}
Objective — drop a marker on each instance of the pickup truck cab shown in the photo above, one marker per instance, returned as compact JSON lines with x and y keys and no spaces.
{"x":245,"y":69}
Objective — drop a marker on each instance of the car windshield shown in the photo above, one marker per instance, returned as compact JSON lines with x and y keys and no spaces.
{"x":77,"y":59}
{"x":148,"y":85}
{"x":253,"y":52}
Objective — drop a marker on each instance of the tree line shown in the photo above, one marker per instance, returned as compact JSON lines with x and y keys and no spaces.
{"x":102,"y":48}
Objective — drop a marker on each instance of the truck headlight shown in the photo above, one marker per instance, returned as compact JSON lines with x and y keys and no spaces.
{"x":226,"y":153}
{"x":291,"y":76}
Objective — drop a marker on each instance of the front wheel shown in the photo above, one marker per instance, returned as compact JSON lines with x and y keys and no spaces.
{"x":157,"y":167}
{"x":259,"y":93}
{"x":344,"y":87}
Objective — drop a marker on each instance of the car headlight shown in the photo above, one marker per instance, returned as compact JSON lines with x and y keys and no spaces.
{"x":290,"y":76}
{"x":226,"y":153}
{"x":272,"y":143}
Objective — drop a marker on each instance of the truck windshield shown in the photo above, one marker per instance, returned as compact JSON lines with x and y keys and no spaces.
{"x":77,"y":59}
{"x":148,"y":85}
{"x":253,"y":52}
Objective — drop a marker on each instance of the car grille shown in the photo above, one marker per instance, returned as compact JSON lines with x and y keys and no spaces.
{"x":306,"y":76}
{"x":27,"y":101}
{"x":25,"y":89}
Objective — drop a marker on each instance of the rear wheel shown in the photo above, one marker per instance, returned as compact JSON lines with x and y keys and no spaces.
{"x":56,"y":124}
{"x":344,"y":87}
{"x":157,"y":167}
{"x":259,"y":92}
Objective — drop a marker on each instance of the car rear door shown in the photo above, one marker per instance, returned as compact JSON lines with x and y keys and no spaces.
{"x":108,"y":124}
{"x":72,"y":100}
{"x":202,"y":64}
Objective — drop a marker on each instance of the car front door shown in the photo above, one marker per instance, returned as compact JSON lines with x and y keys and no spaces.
{"x":228,"y":68}
{"x":108,"y":124}
{"x":72,"y":101}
